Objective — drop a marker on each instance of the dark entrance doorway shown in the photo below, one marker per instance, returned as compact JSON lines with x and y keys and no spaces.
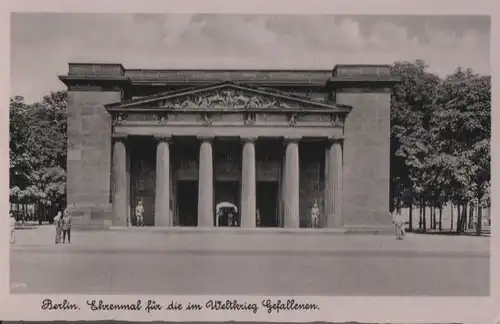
{"x":267,"y":203}
{"x":227,"y":191}
{"x":187,"y":202}
{"x":142,"y":177}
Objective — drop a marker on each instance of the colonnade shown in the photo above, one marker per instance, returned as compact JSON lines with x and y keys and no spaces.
{"x":333,"y":206}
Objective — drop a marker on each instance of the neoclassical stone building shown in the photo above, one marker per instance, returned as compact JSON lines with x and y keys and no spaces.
{"x":274,"y":141}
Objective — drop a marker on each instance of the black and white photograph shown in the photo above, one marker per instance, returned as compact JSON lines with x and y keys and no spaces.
{"x":250,"y":154}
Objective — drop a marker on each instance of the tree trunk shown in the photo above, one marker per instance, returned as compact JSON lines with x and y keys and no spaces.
{"x":463,"y":218}
{"x":25,"y":211}
{"x":39,"y":218}
{"x":424,"y":216}
{"x":458,"y":219}
{"x":440,"y":218}
{"x":434,"y":218}
{"x":465,"y":210}
{"x":410,"y":229}
{"x":451,"y":217}
{"x":479,"y":226}
{"x":420,"y":215}
{"x":471,"y":216}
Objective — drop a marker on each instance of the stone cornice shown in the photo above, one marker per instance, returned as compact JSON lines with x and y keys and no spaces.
{"x":245,"y":139}
{"x":361,"y":82}
{"x":101,"y":82}
{"x":235,"y":110}
{"x":361,"y":76}
{"x":113,"y":76}
{"x":206,"y":137}
{"x":318,"y":86}
{"x":163,"y":138}
{"x":291,"y":139}
{"x":335,"y":139}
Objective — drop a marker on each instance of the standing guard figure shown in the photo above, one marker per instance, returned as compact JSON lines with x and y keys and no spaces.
{"x":315,"y":215}
{"x":139,"y":211}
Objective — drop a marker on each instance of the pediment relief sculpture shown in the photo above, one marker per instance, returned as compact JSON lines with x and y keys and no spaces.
{"x":227,"y":98}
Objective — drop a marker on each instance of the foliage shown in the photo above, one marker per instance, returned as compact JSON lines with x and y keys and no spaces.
{"x":440,"y":137}
{"x":37,"y":149}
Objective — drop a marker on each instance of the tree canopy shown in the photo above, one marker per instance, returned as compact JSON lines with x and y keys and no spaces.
{"x":37,"y":149}
{"x":440,"y":137}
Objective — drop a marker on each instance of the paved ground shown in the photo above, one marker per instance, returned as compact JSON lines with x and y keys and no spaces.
{"x":143,"y":261}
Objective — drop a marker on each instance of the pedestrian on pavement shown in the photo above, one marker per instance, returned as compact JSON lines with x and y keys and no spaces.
{"x":399,"y":223}
{"x":139,"y":211}
{"x":12,"y":220}
{"x":66,"y":226}
{"x":58,"y":224}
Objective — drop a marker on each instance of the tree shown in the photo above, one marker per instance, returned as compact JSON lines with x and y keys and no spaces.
{"x":463,"y":124}
{"x":38,"y":145}
{"x":440,"y":135}
{"x":412,"y":103}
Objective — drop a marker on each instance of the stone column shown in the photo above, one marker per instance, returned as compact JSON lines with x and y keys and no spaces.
{"x":291,"y":189}
{"x":334,"y":184}
{"x":205,"y":184}
{"x":248,"y":199}
{"x":162,"y":198}
{"x":120,"y":198}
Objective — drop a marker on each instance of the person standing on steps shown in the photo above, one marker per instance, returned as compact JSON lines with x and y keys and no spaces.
{"x":139,"y":212}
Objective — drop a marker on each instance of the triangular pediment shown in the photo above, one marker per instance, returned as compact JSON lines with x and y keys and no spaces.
{"x":225,"y":96}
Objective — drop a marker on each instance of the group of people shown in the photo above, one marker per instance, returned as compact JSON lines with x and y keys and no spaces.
{"x":62,"y":221}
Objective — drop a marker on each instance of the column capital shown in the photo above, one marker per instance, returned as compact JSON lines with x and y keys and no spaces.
{"x":206,"y":137}
{"x":245,"y":139}
{"x":335,"y":139}
{"x":291,"y":139}
{"x":163,"y":138}
{"x":119,"y":136}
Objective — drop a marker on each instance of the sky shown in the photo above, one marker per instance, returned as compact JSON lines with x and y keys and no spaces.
{"x":42,"y":44}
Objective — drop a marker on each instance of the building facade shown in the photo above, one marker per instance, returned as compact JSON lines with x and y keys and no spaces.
{"x":182,"y":141}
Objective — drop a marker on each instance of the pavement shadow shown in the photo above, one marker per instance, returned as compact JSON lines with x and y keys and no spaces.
{"x":449,"y":233}
{"x":21,"y":228}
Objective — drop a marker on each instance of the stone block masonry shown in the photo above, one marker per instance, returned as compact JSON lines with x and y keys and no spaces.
{"x":366,"y":147}
{"x":89,"y":155}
